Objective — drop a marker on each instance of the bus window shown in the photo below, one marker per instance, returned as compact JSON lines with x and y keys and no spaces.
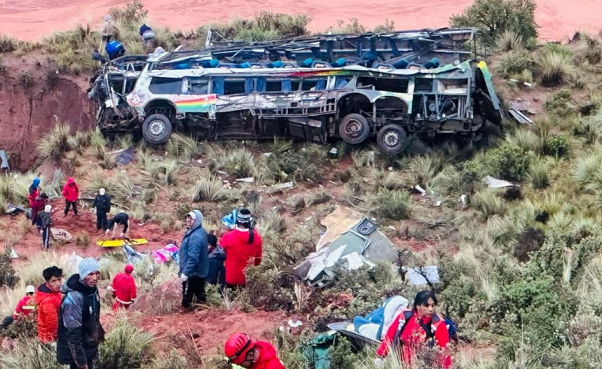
{"x":313,"y":84}
{"x":232,"y":87}
{"x":341,"y":82}
{"x":198,"y":86}
{"x":165,"y":86}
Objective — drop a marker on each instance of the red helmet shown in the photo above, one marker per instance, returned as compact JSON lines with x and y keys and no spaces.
{"x":237,"y":347}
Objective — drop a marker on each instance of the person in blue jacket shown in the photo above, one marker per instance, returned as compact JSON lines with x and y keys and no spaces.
{"x":217,"y":256}
{"x":114,"y":49}
{"x":194,"y":260}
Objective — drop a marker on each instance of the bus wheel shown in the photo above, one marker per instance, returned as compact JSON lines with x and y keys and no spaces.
{"x":354,"y":129}
{"x":391,"y":139}
{"x":156,"y":129}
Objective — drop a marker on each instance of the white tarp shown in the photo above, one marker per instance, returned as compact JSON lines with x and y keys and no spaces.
{"x":497,"y":183}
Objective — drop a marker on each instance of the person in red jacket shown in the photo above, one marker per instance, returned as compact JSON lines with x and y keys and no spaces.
{"x":243,"y":248}
{"x":244,"y":351}
{"x":48,"y":301}
{"x":124,"y":289}
{"x":34,"y":191}
{"x":71,"y":194}
{"x":38,"y":206}
{"x":421,"y":327}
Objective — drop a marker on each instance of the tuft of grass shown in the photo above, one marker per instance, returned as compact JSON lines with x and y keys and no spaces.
{"x":526,"y":140}
{"x":8,"y":44}
{"x":538,"y":174}
{"x":423,"y":168}
{"x":393,"y":205}
{"x":272,"y":222}
{"x":29,"y":353}
{"x":125,"y":346}
{"x":509,"y":41}
{"x":208,"y":189}
{"x":183,"y":147}
{"x":555,"y":67}
{"x":56,"y":143}
{"x":488,"y":202}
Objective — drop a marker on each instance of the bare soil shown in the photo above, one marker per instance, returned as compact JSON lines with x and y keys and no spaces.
{"x":36,"y":19}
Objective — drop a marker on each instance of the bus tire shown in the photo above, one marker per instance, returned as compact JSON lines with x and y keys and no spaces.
{"x":156,"y":129}
{"x":391,"y":139}
{"x":354,"y":129}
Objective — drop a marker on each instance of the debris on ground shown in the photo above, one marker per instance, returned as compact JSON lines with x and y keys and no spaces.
{"x":59,"y":234}
{"x":517,"y":107}
{"x":351,"y":242}
{"x":4,"y":161}
{"x":497,"y":183}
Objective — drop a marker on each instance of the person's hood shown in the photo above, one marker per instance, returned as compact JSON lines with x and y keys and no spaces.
{"x":70,"y":181}
{"x":43,"y":292}
{"x":217,"y":253}
{"x":198,"y":221}
{"x":36,"y":182}
{"x":266,"y":351}
{"x":74,"y":284}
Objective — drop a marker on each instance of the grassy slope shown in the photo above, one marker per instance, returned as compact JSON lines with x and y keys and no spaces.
{"x":520,"y":271}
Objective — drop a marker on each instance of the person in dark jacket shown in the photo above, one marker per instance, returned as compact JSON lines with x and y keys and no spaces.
{"x":121,"y":219}
{"x":44,"y":221}
{"x":194,"y":261}
{"x":80,"y":332}
{"x":217,"y":274}
{"x":38,"y":206}
{"x":102,"y":203}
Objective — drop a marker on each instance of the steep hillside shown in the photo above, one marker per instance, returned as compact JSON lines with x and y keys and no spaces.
{"x":33,"y":95}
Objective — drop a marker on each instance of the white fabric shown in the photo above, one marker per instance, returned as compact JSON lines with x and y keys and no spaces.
{"x":48,"y":208}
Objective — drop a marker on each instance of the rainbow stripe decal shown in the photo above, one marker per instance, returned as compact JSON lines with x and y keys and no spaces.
{"x":202,"y":104}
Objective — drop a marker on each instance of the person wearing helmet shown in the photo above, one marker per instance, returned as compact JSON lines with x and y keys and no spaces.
{"x":102,"y":203}
{"x":244,"y":351}
{"x":44,"y":221}
{"x":25,"y":306}
{"x":124,"y":289}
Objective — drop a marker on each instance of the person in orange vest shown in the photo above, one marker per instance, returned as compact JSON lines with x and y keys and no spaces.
{"x":248,"y":353}
{"x":48,"y":300}
{"x":124,"y":289}
{"x":25,"y":306}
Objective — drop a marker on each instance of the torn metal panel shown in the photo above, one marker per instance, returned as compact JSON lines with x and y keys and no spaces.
{"x":520,"y":117}
{"x":4,"y":161}
{"x":351,"y":242}
{"x":492,"y":182}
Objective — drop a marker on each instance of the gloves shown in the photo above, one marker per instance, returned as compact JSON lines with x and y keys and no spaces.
{"x":184,"y":277}
{"x":378,"y":362}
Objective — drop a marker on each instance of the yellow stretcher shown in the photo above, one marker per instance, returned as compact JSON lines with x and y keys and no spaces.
{"x":121,"y":242}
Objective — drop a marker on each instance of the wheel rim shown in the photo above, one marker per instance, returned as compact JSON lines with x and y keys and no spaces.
{"x":391,"y":139}
{"x":156,"y":127}
{"x":353,"y":128}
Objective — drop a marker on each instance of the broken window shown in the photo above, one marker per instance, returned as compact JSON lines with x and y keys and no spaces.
{"x":424,"y":85}
{"x":384,"y":84}
{"x":166,"y":86}
{"x":198,"y":86}
{"x":232,"y":87}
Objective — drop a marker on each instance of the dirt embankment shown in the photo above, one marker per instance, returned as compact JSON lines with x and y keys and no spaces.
{"x":32,"y":93}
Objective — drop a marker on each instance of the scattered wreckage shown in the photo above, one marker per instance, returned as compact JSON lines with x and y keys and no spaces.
{"x":316,"y":88}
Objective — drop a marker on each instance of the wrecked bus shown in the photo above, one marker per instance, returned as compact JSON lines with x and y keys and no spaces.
{"x":345,"y":92}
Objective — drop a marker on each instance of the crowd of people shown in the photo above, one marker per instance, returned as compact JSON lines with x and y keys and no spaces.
{"x":68,"y":313}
